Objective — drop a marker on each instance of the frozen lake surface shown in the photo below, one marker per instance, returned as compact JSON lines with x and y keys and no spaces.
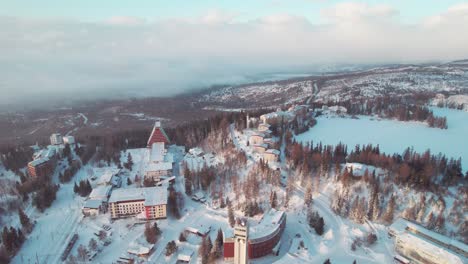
{"x":395,"y":136}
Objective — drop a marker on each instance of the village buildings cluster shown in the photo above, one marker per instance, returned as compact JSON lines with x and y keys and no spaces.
{"x":144,"y":202}
{"x":44,"y":160}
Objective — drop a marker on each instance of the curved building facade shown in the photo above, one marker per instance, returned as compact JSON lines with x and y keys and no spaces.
{"x":262,"y":238}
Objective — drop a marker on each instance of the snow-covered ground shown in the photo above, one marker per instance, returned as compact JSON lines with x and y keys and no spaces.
{"x":395,"y":136}
{"x":54,"y":227}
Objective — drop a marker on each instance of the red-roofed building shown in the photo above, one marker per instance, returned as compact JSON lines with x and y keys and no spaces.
{"x":157,"y":135}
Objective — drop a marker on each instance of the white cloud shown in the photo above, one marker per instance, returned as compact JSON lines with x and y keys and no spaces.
{"x":126,"y":20}
{"x":164,"y":57}
{"x":456,"y":15}
{"x":353,"y":11}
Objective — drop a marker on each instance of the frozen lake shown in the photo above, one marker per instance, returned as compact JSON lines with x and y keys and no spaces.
{"x":394,"y":136}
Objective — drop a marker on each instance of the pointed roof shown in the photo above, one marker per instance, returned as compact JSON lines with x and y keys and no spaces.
{"x":157,"y":135}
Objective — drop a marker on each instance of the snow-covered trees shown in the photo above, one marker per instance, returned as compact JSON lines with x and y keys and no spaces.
{"x":172,"y":202}
{"x":171,"y":247}
{"x":92,"y":245}
{"x":316,"y":221}
{"x":82,"y":253}
{"x":388,"y":215}
{"x":373,"y":207}
{"x":12,"y":239}
{"x":358,"y":210}
{"x":83,"y":188}
{"x":205,"y":249}
{"x":273,"y":199}
{"x":252,"y":208}
{"x":188,"y":180}
{"x":102,"y":235}
{"x":217,"y":251}
{"x":308,"y":195}
{"x":152,"y":232}
{"x":45,"y":196}
{"x":129,"y":164}
{"x":24,"y":219}
{"x":182,"y":237}
{"x":230,"y":214}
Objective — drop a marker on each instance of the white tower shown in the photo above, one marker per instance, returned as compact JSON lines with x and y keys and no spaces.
{"x":241,"y":238}
{"x":248,"y":122}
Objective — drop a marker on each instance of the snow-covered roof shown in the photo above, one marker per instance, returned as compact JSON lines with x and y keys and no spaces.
{"x":277,"y":114}
{"x":196,"y":151}
{"x":201,"y":229}
{"x":157,"y":152}
{"x":107,"y":175}
{"x":69,"y":139}
{"x":101,"y":192}
{"x":150,"y":195}
{"x":185,"y":255}
{"x":159,"y":166}
{"x":92,"y":204}
{"x":198,"y":195}
{"x":39,"y":161}
{"x":402,"y":226}
{"x":427,"y":246}
{"x":261,"y":145}
{"x":140,"y":247}
{"x":262,"y":230}
{"x":272,"y":151}
{"x":196,"y":159}
{"x":258,"y":135}
{"x":269,"y":223}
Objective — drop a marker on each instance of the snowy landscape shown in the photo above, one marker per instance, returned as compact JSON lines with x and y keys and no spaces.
{"x":238,"y":132}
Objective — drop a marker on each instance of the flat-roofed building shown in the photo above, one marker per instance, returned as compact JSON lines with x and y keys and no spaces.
{"x":257,"y":138}
{"x":271,"y":155}
{"x":151,"y":201}
{"x":260,"y":148}
{"x":421,"y":245}
{"x":92,"y":207}
{"x":41,"y":167}
{"x":56,"y":139}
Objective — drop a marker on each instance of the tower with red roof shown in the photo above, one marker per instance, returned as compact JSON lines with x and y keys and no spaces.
{"x":158,"y":135}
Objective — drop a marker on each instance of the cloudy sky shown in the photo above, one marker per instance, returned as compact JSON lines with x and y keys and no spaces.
{"x":84,"y":48}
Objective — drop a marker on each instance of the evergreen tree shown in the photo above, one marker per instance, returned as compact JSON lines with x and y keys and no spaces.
{"x":92,"y":245}
{"x":274,"y":200}
{"x":218,"y":245}
{"x":82,"y":253}
{"x":327,"y":261}
{"x":388,"y":216}
{"x":24,"y":219}
{"x":308,"y":195}
{"x":152,"y":233}
{"x":76,"y":189}
{"x":171,"y":247}
{"x":354,"y":214}
{"x":182,"y":237}
{"x":7,"y":240}
{"x":231,"y":215}
{"x":376,"y":208}
{"x":172,"y":202}
{"x":129,"y":164}
{"x":188,"y":181}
